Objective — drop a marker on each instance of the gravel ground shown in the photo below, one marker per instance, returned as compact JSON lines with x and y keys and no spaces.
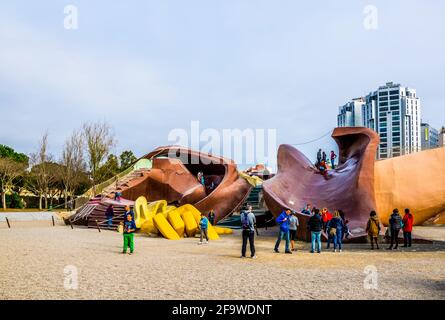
{"x":34,"y":257}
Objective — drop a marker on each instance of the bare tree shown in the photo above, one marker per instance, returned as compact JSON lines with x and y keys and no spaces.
{"x":40,"y":176}
{"x":99,"y":141}
{"x":73,"y":164}
{"x":9,"y":171}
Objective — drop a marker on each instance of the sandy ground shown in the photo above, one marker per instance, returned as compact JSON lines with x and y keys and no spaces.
{"x":33,"y":256}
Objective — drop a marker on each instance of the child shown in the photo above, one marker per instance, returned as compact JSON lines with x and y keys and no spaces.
{"x":129,"y":229}
{"x":323,"y":168}
{"x":203,"y":225}
{"x":373,"y":229}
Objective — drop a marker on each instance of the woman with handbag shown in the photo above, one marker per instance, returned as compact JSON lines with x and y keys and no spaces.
{"x":336,"y":227}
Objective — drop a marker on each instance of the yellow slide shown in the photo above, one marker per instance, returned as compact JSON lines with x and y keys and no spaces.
{"x":144,"y":216}
{"x":165,"y":228}
{"x":176,"y":222}
{"x":140,"y":211}
{"x":190,"y":223}
{"x":221,"y":230}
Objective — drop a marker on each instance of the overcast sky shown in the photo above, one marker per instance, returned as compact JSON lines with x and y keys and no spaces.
{"x":148,"y":67}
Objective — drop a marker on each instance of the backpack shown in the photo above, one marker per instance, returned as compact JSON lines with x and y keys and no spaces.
{"x":245,"y":221}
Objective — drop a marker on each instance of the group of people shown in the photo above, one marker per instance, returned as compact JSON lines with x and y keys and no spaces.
{"x":395,"y":225}
{"x":334,"y":225}
{"x":322,"y":161}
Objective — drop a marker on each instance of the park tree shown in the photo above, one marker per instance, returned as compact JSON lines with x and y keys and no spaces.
{"x":127,"y":158}
{"x":12,"y":166}
{"x":42,"y":173}
{"x":8,"y":152}
{"x":73,"y":165}
{"x":9,"y":171}
{"x":99,"y":141}
{"x":109,"y":169}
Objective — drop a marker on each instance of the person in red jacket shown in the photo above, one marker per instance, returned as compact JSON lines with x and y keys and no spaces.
{"x":408,"y":221}
{"x":327,"y":216}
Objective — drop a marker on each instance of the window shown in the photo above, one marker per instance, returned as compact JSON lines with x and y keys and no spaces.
{"x":394,"y":92}
{"x":394,"y":103}
{"x":396,"y":108}
{"x":383,"y":104}
{"x":384,"y":109}
{"x":385,"y":98}
{"x":383,"y":93}
{"x":394,"y":98}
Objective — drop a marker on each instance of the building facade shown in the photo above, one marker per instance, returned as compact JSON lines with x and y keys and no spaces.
{"x":394,"y":112}
{"x":430,"y":137}
{"x":442,"y":137}
{"x":350,"y":114}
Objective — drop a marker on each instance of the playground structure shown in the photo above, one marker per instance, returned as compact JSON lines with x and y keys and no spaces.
{"x":167,"y":179}
{"x":350,"y":186}
{"x":173,"y":178}
{"x":359,"y":184}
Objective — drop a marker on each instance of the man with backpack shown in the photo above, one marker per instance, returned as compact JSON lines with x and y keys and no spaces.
{"x":248,"y":222}
{"x":395,"y":224}
{"x":283,"y":221}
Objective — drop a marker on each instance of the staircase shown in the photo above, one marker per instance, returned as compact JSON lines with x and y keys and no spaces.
{"x":234,"y":221}
{"x":123,"y":183}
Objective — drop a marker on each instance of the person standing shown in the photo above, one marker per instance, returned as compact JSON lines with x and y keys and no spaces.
{"x":212,"y":217}
{"x":395,"y":224}
{"x":408,"y":221}
{"x":326,"y":216}
{"x":335,"y":229}
{"x":129,"y":229}
{"x":109,"y":213}
{"x":324,"y":157}
{"x":333,"y":157}
{"x":129,"y":211}
{"x":315,"y":226}
{"x":283,"y":221}
{"x":319,"y":157}
{"x":293,"y":225}
{"x":248,"y":222}
{"x":373,"y":229}
{"x":203,"y":227}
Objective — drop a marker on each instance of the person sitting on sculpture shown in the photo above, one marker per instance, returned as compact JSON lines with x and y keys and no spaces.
{"x":323,"y":168}
{"x":307,"y":209}
{"x":200,"y":177}
{"x":117,"y":196}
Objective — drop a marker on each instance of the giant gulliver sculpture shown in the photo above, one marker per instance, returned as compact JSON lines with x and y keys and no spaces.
{"x":349,"y":187}
{"x":173,"y":177}
{"x":359,"y":184}
{"x":415,"y":181}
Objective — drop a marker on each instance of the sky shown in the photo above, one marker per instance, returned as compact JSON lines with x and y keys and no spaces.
{"x":149,"y":67}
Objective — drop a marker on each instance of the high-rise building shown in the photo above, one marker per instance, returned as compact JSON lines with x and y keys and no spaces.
{"x":430,"y":137}
{"x":442,"y":137}
{"x":394,"y":112}
{"x":350,"y":114}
